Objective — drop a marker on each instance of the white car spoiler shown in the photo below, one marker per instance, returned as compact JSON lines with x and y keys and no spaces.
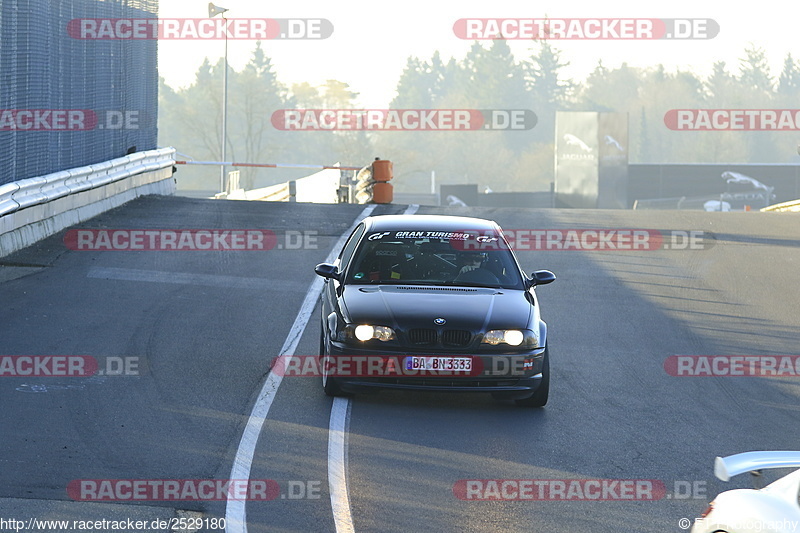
{"x":733,"y":465}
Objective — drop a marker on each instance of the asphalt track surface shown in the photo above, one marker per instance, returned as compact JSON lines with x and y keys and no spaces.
{"x":203,"y":327}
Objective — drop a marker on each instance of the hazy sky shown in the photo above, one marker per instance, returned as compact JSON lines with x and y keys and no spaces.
{"x":372,"y":40}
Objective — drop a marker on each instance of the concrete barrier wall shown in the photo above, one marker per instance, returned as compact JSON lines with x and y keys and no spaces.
{"x":35,"y":208}
{"x":321,"y":188}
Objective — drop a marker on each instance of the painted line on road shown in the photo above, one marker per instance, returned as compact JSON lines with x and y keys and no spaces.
{"x":337,"y":465}
{"x":337,"y":454}
{"x":235,"y":512}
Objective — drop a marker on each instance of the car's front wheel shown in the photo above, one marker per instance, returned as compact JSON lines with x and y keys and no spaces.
{"x":539,"y":397}
{"x":329,"y":383}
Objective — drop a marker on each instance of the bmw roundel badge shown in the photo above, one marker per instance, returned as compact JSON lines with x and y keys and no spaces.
{"x":439,"y":321}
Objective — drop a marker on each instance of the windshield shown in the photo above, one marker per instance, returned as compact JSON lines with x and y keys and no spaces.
{"x":395,"y":259}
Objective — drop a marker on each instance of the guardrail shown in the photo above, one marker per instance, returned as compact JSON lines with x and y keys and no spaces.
{"x":39,"y":190}
{"x":33,"y":208}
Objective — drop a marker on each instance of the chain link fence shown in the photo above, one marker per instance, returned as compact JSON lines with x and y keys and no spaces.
{"x":65,"y":101}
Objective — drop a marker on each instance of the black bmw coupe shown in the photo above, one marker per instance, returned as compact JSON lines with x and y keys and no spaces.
{"x":433,"y":302}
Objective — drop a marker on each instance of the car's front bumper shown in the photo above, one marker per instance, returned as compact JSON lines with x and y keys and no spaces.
{"x":506,"y":375}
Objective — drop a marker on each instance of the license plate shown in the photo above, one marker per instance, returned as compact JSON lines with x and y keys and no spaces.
{"x":448,"y":364}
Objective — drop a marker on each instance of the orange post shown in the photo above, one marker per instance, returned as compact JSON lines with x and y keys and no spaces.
{"x":382,"y":193}
{"x":382,"y":170}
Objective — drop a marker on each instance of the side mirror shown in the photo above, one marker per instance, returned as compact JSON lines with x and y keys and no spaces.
{"x":541,"y":277}
{"x":326,"y":270}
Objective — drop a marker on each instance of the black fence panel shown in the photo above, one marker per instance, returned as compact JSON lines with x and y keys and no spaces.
{"x":67,"y":101}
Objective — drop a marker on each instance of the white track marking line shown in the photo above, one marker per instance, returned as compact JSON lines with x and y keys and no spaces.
{"x":337,"y":465}
{"x":337,"y":453}
{"x":235,"y":513}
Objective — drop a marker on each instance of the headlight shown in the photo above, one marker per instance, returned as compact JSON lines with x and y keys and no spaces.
{"x":512,"y":337}
{"x":365,"y":332}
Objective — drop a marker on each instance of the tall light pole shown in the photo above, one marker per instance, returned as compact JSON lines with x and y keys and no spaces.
{"x":213,"y":11}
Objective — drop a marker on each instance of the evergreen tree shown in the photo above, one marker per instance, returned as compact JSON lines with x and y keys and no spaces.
{"x":193,"y":115}
{"x":414,"y":89}
{"x":788,"y":91}
{"x":254,"y":96}
{"x":549,"y":92}
{"x":486,"y":77}
{"x":754,"y":75}
{"x":609,"y":90}
{"x":756,"y":87}
{"x":720,"y":86}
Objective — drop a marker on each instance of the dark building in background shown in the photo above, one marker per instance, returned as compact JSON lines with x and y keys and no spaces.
{"x":612,"y":170}
{"x":111,"y":84}
{"x":576,"y":177}
{"x":591,"y":160}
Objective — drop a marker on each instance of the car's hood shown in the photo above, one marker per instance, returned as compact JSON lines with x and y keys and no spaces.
{"x":416,"y":306}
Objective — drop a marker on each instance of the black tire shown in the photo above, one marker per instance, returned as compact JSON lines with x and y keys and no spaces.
{"x":539,"y":397}
{"x":321,"y":341}
{"x":329,"y":384}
